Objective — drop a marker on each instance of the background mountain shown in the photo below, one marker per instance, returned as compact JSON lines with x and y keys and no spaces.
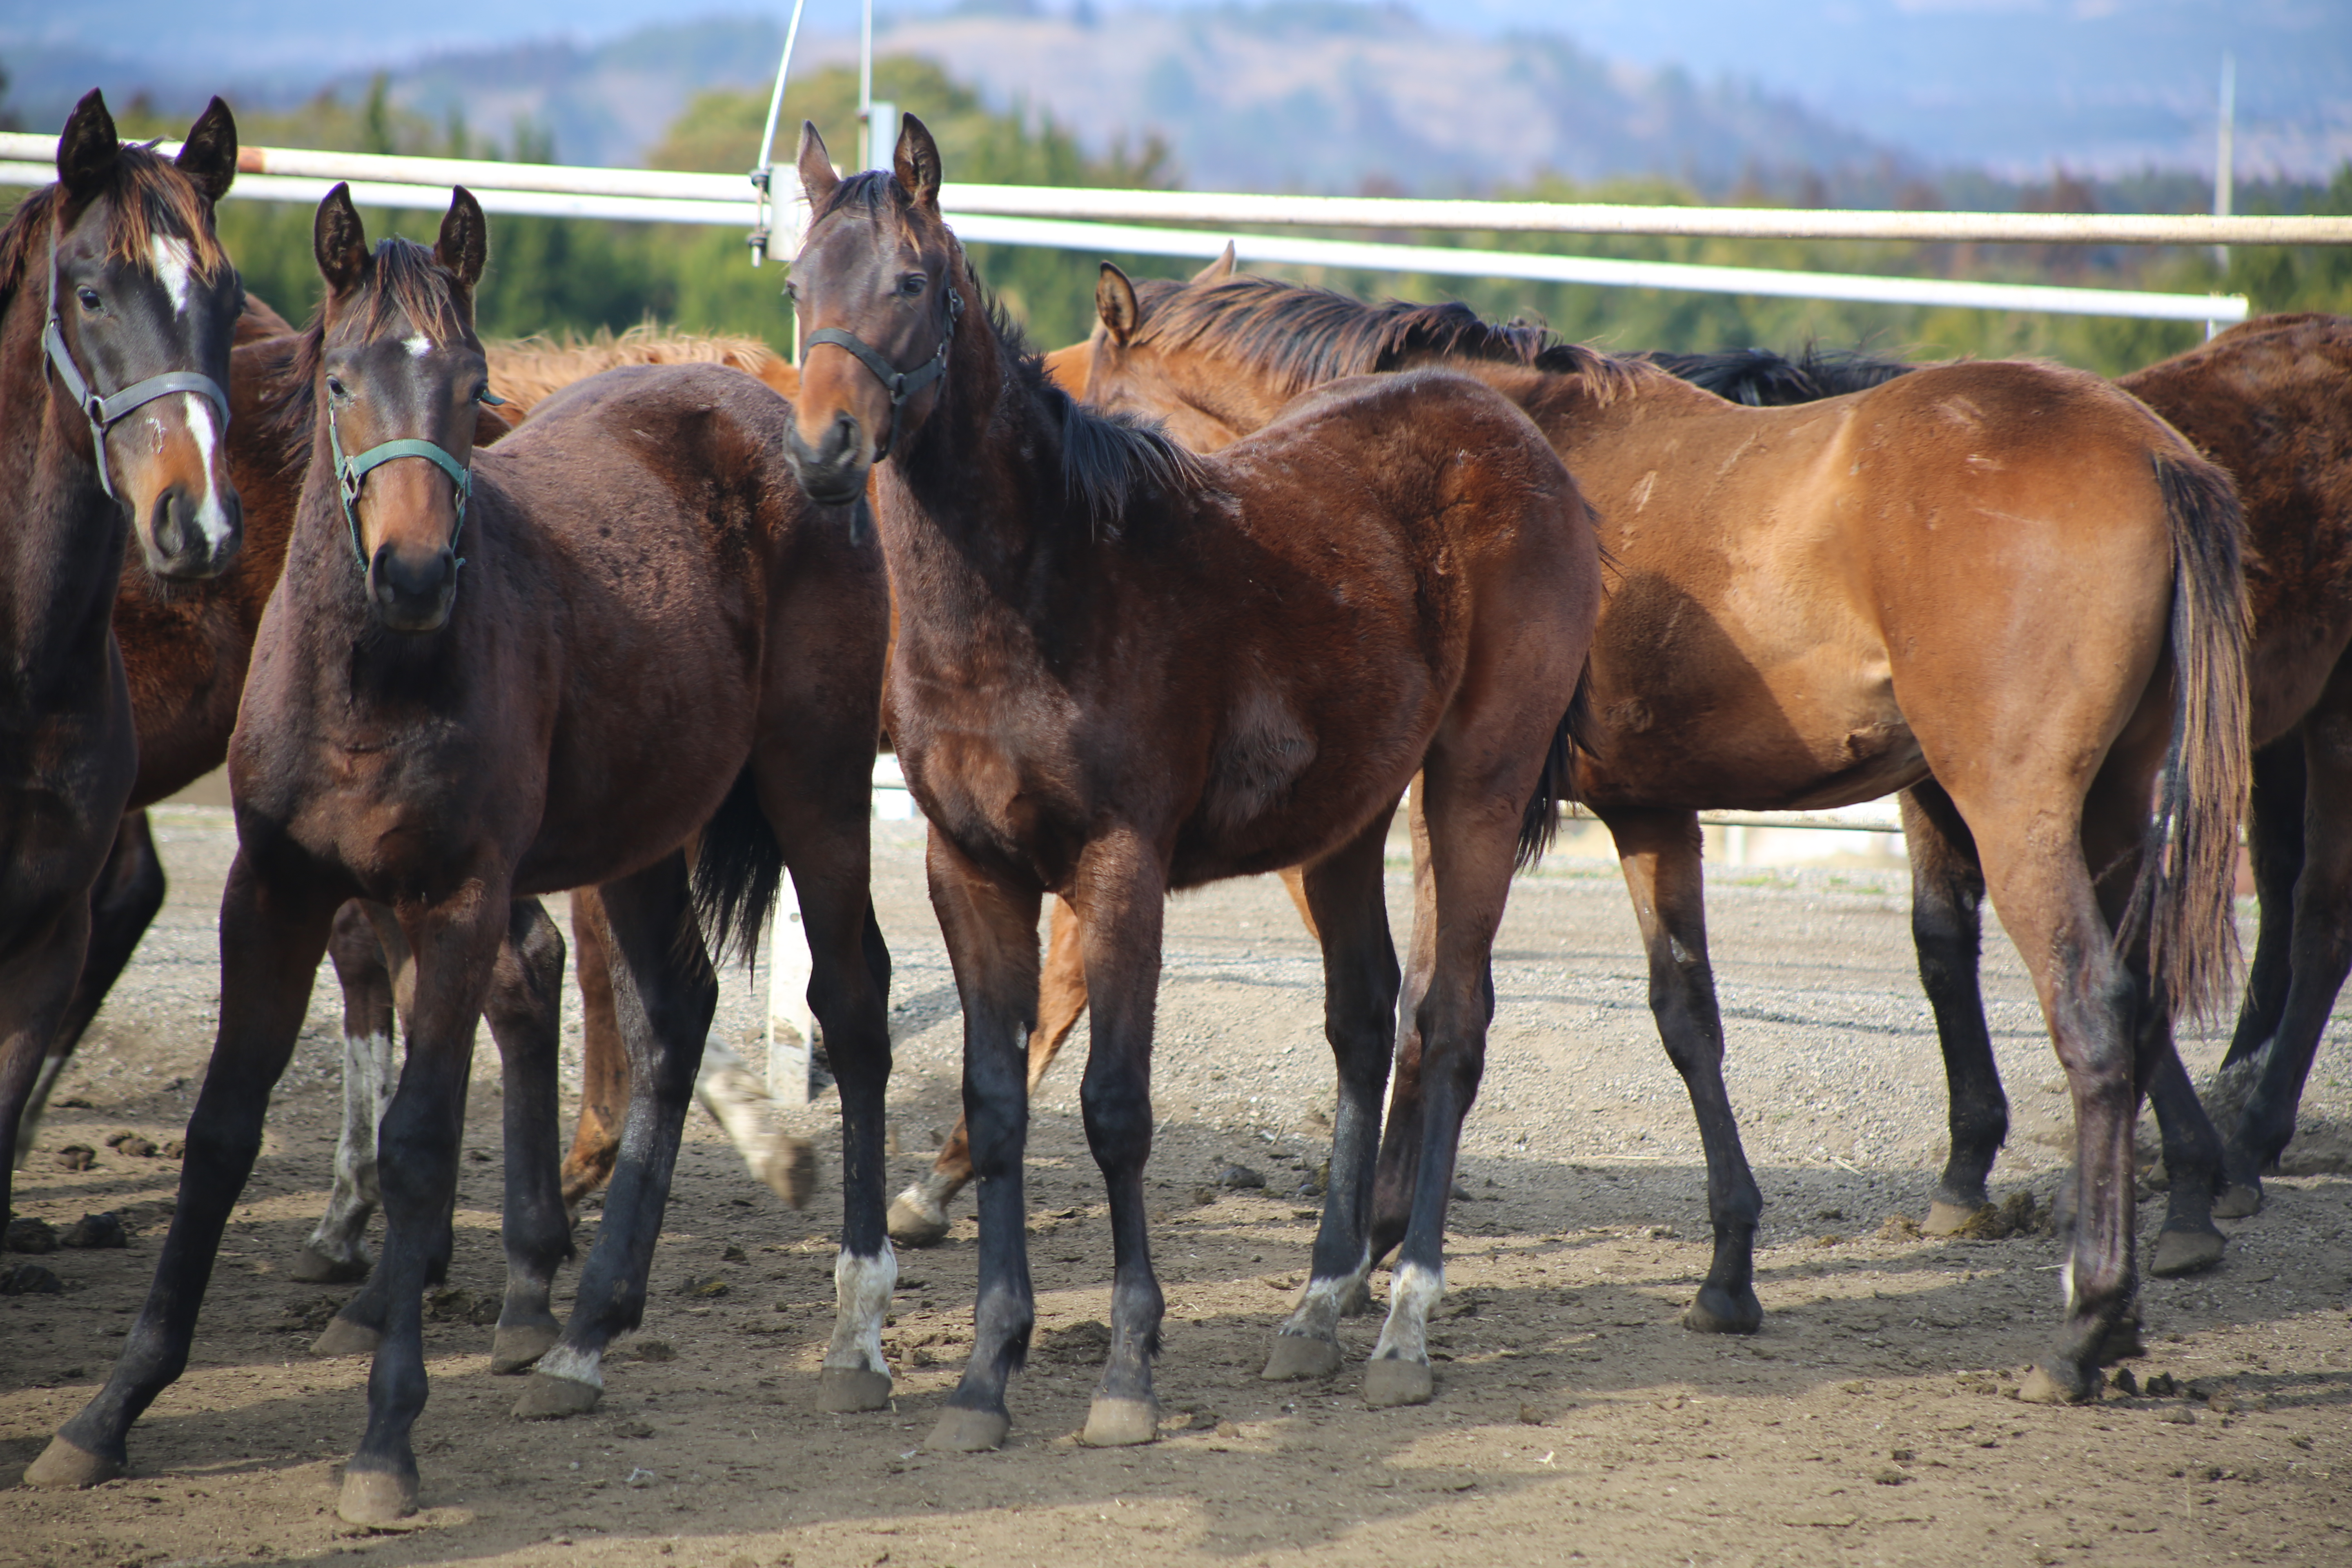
{"x":1325,"y":95}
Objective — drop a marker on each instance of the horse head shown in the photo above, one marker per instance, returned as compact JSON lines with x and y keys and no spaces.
{"x":400,"y":375}
{"x":142,"y":311}
{"x":879,"y":284}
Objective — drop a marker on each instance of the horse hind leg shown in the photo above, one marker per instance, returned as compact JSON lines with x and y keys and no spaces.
{"x":664,"y":992}
{"x":336,"y":1251}
{"x":740,"y":1104}
{"x":1948,"y":936}
{"x":604,"y":1061}
{"x":1360,"y":980}
{"x":919,"y":1216}
{"x":122,"y":905}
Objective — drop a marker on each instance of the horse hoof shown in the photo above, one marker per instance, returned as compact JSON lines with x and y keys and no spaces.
{"x":912,"y":1223}
{"x":844,"y":1390}
{"x":790,"y":1171}
{"x":1394,"y":1381}
{"x":2179,"y":1252}
{"x":1358,"y":1301}
{"x":2239,"y":1200}
{"x":2041,"y":1386}
{"x":547,"y":1398}
{"x":1300,"y":1355}
{"x":1949,"y":1218}
{"x":514,"y":1347}
{"x":68,"y":1467}
{"x":962,"y":1431}
{"x":344,"y":1337}
{"x":2123,"y":1343}
{"x":1120,"y":1423}
{"x":312,"y":1266}
{"x":1718,"y":1311}
{"x":375,"y":1497}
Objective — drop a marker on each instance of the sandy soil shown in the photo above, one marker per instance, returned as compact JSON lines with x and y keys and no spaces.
{"x":1574,"y":1419}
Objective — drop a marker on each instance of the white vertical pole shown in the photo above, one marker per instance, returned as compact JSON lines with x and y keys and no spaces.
{"x":2225,"y":159}
{"x":790,"y":1028}
{"x":865,"y":87}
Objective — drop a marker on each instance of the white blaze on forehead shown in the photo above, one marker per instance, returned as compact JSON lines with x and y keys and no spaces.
{"x":174,"y":268}
{"x":419,"y":345}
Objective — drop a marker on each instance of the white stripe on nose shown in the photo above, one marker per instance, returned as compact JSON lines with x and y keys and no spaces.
{"x":212,"y":518}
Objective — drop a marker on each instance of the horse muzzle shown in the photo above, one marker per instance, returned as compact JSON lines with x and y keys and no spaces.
{"x":192,"y":535}
{"x":833,"y":470}
{"x":412,"y":591}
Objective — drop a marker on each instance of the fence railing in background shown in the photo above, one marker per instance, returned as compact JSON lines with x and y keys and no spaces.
{"x":1107,"y":220}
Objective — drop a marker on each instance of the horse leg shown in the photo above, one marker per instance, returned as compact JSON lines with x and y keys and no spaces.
{"x":122,"y":905}
{"x":919,"y":1216}
{"x":1400,"y":1162}
{"x":992,"y":939}
{"x":1659,"y":851}
{"x":1473,"y":818}
{"x":1348,"y":906}
{"x":2275,"y":812}
{"x":525,"y":1012}
{"x":604,"y":1061}
{"x":737,"y":1100}
{"x":1948,"y":934}
{"x":36,"y":986}
{"x":665,"y":993}
{"x":271,"y":938}
{"x":455,"y":947}
{"x":337,"y":1250}
{"x":2322,"y":940}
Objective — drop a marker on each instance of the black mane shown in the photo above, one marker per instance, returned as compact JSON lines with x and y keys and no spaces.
{"x":1762,"y":378}
{"x":1306,"y":336}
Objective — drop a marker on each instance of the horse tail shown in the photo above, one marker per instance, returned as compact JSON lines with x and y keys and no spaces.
{"x":2188,"y":877}
{"x":737,"y":868}
{"x":1557,"y":782}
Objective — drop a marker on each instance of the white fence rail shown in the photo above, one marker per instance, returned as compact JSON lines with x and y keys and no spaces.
{"x":1107,"y":220}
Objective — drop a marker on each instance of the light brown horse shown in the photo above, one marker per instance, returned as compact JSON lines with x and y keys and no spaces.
{"x":652,"y":644}
{"x":2010,"y":579}
{"x":116,"y":308}
{"x":1121,"y":670}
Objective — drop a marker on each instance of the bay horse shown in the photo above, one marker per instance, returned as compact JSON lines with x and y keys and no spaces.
{"x":117,"y":308}
{"x":1123,"y":669}
{"x":2009,"y":580}
{"x":2269,"y":400}
{"x":653,"y":639}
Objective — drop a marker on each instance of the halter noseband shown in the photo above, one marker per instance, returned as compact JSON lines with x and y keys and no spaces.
{"x":104,"y":413}
{"x":351,"y":472}
{"x":901,"y":384}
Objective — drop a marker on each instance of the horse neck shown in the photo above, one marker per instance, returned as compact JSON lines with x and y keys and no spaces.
{"x":61,"y":550}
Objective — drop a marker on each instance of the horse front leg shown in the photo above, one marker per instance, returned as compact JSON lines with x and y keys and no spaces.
{"x":337,"y":1250}
{"x":1659,"y":852}
{"x":919,"y":1216}
{"x":36,"y":984}
{"x":455,"y":947}
{"x":271,"y":938}
{"x":525,"y":1012}
{"x":991,"y":929}
{"x":665,"y":993}
{"x":1348,"y":907}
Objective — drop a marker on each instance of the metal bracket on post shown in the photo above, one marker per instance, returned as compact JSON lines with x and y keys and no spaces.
{"x":791,"y":1028}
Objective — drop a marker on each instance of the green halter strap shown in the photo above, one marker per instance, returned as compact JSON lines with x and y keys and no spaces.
{"x":351,"y":472}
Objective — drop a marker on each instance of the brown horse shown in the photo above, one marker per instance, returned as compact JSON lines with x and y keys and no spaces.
{"x":525,"y":371}
{"x":1122,"y":671}
{"x":2009,"y":580}
{"x":2271,"y":401}
{"x":651,"y":641}
{"x":116,"y":308}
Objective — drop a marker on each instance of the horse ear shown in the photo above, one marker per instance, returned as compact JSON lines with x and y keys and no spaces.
{"x":817,"y":178}
{"x":918,"y":162}
{"x":87,"y":148}
{"x":209,"y":158}
{"x":465,"y":242}
{"x":1115,"y":303}
{"x":339,"y":241}
{"x":1220,"y":269}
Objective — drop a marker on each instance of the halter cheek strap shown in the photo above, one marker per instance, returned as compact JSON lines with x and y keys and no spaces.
{"x":104,"y":412}
{"x":901,"y":384}
{"x":352,"y":472}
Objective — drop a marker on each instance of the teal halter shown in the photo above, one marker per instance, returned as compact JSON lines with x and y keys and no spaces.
{"x":352,"y":472}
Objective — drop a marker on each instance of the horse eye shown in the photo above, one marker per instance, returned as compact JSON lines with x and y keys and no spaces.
{"x":912,"y":284}
{"x":335,"y":387}
{"x":89,"y":298}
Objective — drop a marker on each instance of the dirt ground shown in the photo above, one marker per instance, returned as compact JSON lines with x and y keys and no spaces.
{"x":1574,"y":1420}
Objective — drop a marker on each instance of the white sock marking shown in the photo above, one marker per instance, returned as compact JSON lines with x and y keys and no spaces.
{"x":862,"y":1286}
{"x":174,"y":268}
{"x":1318,"y":1315}
{"x":1412,"y":1293}
{"x":367,"y":1095}
{"x":579,"y":1366}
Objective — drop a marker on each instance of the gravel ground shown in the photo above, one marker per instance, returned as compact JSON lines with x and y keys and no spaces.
{"x":1573,"y":1418}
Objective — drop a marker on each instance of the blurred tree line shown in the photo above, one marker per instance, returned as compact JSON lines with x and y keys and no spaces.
{"x":558,"y":274}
